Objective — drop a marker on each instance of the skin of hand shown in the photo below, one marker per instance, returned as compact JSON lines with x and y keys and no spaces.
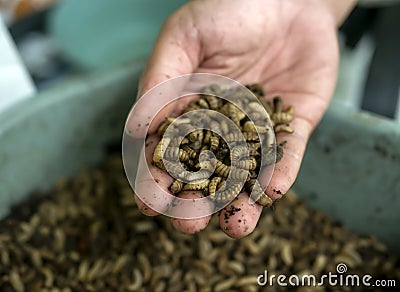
{"x":289,"y":46}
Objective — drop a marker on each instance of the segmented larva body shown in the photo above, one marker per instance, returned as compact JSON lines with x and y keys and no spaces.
{"x":203,"y":104}
{"x":248,"y":164}
{"x":234,"y":113}
{"x":198,"y":175}
{"x":282,"y":118}
{"x":159,"y":150}
{"x":222,"y":170}
{"x":173,"y":153}
{"x":248,"y":136}
{"x":196,"y":186}
{"x":228,"y":193}
{"x":212,"y":187}
{"x":214,"y":143}
{"x":207,"y":136}
{"x":176,"y":186}
{"x":214,"y":102}
{"x":239,"y":152}
{"x":283,"y":128}
{"x":196,"y":136}
{"x":175,"y":169}
{"x":257,"y":193}
{"x":190,"y":152}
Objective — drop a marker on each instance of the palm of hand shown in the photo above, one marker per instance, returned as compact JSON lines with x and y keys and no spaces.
{"x":287,"y":46}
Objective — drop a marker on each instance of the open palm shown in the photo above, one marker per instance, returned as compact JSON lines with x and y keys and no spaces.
{"x":290,"y":47}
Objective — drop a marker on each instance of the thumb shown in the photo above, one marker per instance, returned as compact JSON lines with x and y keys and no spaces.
{"x":176,"y":52}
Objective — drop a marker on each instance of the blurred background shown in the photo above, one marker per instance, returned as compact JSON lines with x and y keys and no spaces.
{"x":52,"y":44}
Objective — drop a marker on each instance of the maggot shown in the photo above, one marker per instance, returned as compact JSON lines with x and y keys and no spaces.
{"x":250,"y":164}
{"x":228,"y":192}
{"x":257,"y":193}
{"x":198,"y":175}
{"x":207,"y":136}
{"x":159,"y":150}
{"x":196,"y":186}
{"x":190,"y":152}
{"x":214,"y":143}
{"x":283,"y":128}
{"x":239,"y":152}
{"x":248,"y":136}
{"x":173,"y":153}
{"x":212,"y":187}
{"x":176,"y":186}
{"x":214,"y":102}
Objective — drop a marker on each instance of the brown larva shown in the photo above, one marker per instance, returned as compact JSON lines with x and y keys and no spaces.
{"x":173,"y":153}
{"x":214,"y":143}
{"x":257,"y":193}
{"x":196,"y":186}
{"x":190,"y":152}
{"x":214,"y":102}
{"x":250,"y":164}
{"x":283,"y":128}
{"x":212,"y":187}
{"x":228,"y":192}
{"x":176,"y":186}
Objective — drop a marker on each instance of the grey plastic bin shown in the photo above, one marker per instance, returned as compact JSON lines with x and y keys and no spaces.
{"x":351,"y":169}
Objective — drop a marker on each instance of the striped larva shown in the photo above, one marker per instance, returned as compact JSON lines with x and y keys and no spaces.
{"x":173,"y":153}
{"x":250,"y":164}
{"x":228,"y":192}
{"x":234,"y":173}
{"x":279,"y":116}
{"x":283,"y":128}
{"x":212,"y":187}
{"x":239,"y":152}
{"x":207,"y":136}
{"x":196,"y":186}
{"x":214,"y":102}
{"x":190,"y":152}
{"x":214,"y":143}
{"x":176,"y":186}
{"x":257,"y":193}
{"x":238,"y":136}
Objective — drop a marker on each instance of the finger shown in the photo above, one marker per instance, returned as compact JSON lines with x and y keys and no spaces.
{"x":176,"y":52}
{"x":190,"y":209}
{"x":286,"y":170}
{"x":151,"y":185}
{"x":240,"y":217}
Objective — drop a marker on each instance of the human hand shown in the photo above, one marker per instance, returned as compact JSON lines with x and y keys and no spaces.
{"x":290,"y":47}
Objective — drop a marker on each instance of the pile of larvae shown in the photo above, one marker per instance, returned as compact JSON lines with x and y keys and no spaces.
{"x":233,"y":168}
